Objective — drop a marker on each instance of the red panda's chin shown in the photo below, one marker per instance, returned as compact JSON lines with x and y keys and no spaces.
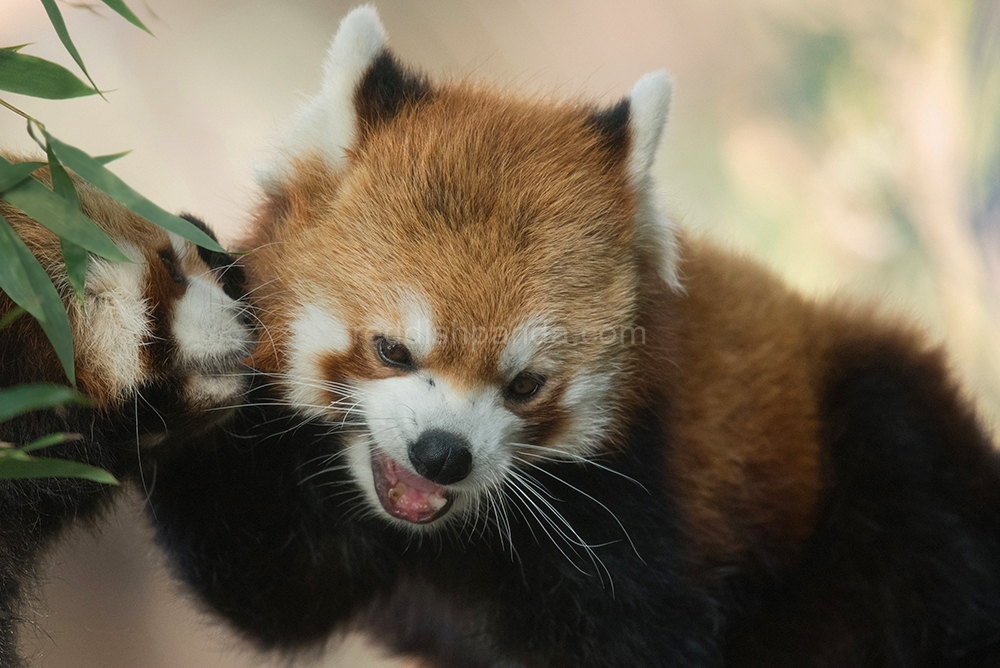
{"x":408,"y":496}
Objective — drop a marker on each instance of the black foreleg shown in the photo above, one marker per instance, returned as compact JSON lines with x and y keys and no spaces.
{"x":243,"y":519}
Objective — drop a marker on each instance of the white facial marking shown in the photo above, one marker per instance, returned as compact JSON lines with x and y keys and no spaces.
{"x":211,"y":336}
{"x":316,"y":331}
{"x":207,"y":327}
{"x":398,"y":410}
{"x":115,"y":319}
{"x":526,"y":348}
{"x":418,"y":325}
{"x":209,"y":391}
{"x":591,"y":411}
{"x":327,"y":123}
{"x":181,"y":246}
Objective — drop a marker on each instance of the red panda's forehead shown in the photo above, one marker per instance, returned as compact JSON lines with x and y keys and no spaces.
{"x":475,"y":164}
{"x":480,"y":223}
{"x":496,"y":213}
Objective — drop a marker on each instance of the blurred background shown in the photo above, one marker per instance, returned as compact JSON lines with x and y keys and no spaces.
{"x":852,"y":145}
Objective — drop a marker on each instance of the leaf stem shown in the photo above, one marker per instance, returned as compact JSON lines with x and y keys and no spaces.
{"x":31,"y":132}
{"x":22,"y":114}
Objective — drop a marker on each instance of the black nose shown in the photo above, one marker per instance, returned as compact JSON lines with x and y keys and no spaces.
{"x":441,"y":456}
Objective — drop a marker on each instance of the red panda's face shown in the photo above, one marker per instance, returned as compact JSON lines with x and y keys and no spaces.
{"x":455,"y":287}
{"x":459,"y":299}
{"x":165,"y":333}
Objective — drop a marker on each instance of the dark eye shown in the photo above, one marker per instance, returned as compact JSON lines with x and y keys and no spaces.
{"x":524,"y":386}
{"x":169,"y":261}
{"x":393,"y":353}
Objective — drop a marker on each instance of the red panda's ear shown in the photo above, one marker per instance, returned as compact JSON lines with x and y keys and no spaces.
{"x":611,"y":126}
{"x":649,"y":106}
{"x":386,"y":88}
{"x":644,"y":113}
{"x":632,"y":128}
{"x":362,"y":85}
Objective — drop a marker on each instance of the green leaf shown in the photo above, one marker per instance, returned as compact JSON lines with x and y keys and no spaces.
{"x":28,"y":75}
{"x":13,"y":174}
{"x":17,"y":48}
{"x":93,"y":9}
{"x":59,"y":215}
{"x":76,"y":260}
{"x":96,"y":174}
{"x":74,"y":257}
{"x":62,"y":184}
{"x":120,"y":7}
{"x":55,"y":16}
{"x":22,"y":399}
{"x":50,"y":440}
{"x":11,"y":316}
{"x":27,"y":284}
{"x":15,"y":464}
{"x":111,"y":157}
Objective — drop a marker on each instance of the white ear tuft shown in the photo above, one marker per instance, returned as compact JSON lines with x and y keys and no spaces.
{"x":649,"y":104}
{"x":327,"y":123}
{"x":359,"y":39}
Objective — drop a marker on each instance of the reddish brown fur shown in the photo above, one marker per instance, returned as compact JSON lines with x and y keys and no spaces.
{"x":736,"y":363}
{"x":121,"y":225}
{"x":747,"y":360}
{"x":742,"y":392}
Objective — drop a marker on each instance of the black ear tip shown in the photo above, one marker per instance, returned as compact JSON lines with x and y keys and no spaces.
{"x":387,"y":87}
{"x":611,"y":125}
{"x":200,"y":224}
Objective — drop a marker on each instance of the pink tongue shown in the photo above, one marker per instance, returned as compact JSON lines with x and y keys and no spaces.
{"x":409,"y":496}
{"x":417,"y":482}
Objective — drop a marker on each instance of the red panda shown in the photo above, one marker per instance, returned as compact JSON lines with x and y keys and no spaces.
{"x":511,"y":415}
{"x":158,"y":349}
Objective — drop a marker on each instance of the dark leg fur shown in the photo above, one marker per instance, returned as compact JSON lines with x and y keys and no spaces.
{"x":905,"y":567}
{"x":254,"y":541}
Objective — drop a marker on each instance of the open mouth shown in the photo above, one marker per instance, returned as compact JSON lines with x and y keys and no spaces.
{"x":408,"y":496}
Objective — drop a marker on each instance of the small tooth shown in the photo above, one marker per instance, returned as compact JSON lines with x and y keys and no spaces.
{"x":397,"y":492}
{"x":437,"y":502}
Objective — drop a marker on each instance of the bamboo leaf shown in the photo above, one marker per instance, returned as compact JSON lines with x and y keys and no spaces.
{"x":59,"y":215}
{"x":55,"y":17}
{"x":120,"y":7}
{"x":111,"y":157}
{"x":22,"y":399}
{"x":50,"y":440}
{"x":96,"y":174}
{"x":76,"y":260}
{"x":28,"y":75}
{"x":27,"y":284}
{"x":11,"y":316}
{"x":62,"y":184}
{"x":74,"y":257}
{"x":15,"y":465}
{"x":12,"y":174}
